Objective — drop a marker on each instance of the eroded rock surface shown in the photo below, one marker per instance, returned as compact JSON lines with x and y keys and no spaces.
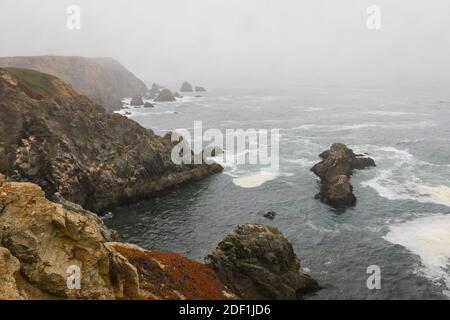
{"x":257,"y":262}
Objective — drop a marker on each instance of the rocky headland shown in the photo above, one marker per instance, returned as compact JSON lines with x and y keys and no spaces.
{"x":67,"y":144}
{"x":334,"y":171}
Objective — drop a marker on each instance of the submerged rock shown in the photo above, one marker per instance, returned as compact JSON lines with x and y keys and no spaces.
{"x":270,"y":215}
{"x":186,"y":87}
{"x":55,"y":137}
{"x":257,"y":262}
{"x":165,"y":96}
{"x":43,"y":243}
{"x":200,"y":89}
{"x":137,"y":101}
{"x":334,"y":172}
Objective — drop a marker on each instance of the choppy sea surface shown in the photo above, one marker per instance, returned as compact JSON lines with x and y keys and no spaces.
{"x":400,"y":223}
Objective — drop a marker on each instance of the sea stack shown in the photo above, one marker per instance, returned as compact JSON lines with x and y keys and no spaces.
{"x":200,"y":89}
{"x":334,"y":172}
{"x":186,"y":87}
{"x":165,"y":96}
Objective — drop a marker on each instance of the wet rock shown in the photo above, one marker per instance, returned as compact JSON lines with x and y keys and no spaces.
{"x":270,"y":215}
{"x":186,"y":87}
{"x":148,"y":105}
{"x":165,"y":96}
{"x":334,"y":172}
{"x":257,"y":262}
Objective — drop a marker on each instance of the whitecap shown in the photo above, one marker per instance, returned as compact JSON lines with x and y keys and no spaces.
{"x":429,"y":238}
{"x":255,"y":179}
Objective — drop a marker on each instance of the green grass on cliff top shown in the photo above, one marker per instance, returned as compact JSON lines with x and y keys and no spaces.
{"x":34,"y":80}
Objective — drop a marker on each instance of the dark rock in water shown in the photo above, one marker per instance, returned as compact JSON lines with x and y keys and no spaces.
{"x":165,"y":96}
{"x":200,"y":89}
{"x":148,"y":105}
{"x":257,"y":262}
{"x":128,"y":113}
{"x":137,"y":101}
{"x":177,"y":95}
{"x":335,"y":170}
{"x":186,"y":87}
{"x":270,"y":215}
{"x":62,"y":141}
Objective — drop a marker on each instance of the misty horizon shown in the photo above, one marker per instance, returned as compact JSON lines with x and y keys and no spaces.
{"x":320,"y":43}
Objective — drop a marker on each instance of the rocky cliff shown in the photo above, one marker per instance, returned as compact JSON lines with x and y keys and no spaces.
{"x":103,"y":80}
{"x":67,"y":144}
{"x":48,"y":251}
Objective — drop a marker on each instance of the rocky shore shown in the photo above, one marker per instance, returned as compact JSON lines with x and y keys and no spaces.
{"x":42,"y":243}
{"x":334,"y":171}
{"x":55,"y":137}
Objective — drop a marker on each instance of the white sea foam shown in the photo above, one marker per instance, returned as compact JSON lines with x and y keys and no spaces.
{"x":393,"y":113}
{"x":429,"y":238}
{"x":401,"y":181}
{"x":379,"y":125}
{"x":255,"y":179}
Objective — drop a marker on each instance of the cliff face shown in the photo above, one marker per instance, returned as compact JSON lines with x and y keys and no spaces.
{"x":43,"y":245}
{"x":67,"y":144}
{"x":103,"y":80}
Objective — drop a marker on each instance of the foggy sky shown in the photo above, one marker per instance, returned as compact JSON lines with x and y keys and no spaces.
{"x":253,"y":42}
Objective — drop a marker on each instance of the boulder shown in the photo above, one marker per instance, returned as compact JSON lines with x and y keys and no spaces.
{"x":200,"y":89}
{"x":186,"y":87}
{"x":334,"y":172}
{"x":165,"y":96}
{"x":148,"y":105}
{"x":257,"y":262}
{"x":40,"y":241}
{"x":137,"y":101}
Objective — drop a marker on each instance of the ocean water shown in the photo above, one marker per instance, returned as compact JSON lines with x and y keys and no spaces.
{"x":400,"y":223}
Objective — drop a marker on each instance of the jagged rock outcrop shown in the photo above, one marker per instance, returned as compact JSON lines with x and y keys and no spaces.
{"x":103,"y":80}
{"x":137,"y":101}
{"x":186,"y":87}
{"x":55,"y":137}
{"x":334,"y":172}
{"x":42,"y":242}
{"x":257,"y":262}
{"x":200,"y":89}
{"x":165,"y":96}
